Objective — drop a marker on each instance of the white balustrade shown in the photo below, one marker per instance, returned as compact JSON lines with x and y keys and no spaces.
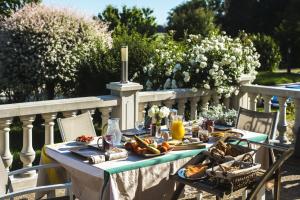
{"x":169,"y":103}
{"x":181,"y":106}
{"x":253,"y":101}
{"x":49,"y":127}
{"x":4,"y":143}
{"x":194,"y":104}
{"x":27,"y":154}
{"x":205,"y":103}
{"x":267,"y":102}
{"x":282,"y":123}
{"x":105,"y":114}
{"x":142,"y":112}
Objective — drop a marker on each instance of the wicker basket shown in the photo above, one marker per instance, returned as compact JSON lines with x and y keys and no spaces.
{"x":236,"y":153}
{"x":237,"y":179}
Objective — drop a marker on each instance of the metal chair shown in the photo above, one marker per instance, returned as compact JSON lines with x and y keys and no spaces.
{"x":72,"y":127}
{"x":6,"y":189}
{"x":259,"y":122}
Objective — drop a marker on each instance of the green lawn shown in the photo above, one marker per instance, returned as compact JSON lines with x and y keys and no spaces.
{"x":278,"y":77}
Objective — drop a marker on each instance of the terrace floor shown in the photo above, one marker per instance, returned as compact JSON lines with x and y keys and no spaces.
{"x":290,"y":184}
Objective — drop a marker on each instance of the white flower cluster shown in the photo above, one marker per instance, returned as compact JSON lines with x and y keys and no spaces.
{"x":219,"y":61}
{"x":164,"y":65}
{"x":158,"y":113}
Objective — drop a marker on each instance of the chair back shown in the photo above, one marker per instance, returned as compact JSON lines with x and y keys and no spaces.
{"x":72,"y":127}
{"x":3,"y":178}
{"x":260,"y":122}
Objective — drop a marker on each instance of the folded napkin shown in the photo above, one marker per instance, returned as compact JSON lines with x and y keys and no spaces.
{"x":113,"y":154}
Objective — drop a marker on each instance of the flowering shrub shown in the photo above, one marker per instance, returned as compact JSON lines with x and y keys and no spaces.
{"x":215,"y":62}
{"x":219,"y":61}
{"x":42,"y":47}
{"x":165,"y":65}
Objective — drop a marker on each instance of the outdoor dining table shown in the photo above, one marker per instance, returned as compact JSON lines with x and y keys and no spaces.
{"x":135,"y":177}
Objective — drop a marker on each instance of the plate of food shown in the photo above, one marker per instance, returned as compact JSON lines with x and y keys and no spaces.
{"x":147,"y":147}
{"x":84,"y":139}
{"x":193,"y":172}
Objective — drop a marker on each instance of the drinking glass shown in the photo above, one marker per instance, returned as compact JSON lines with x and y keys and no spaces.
{"x":177,"y":128}
{"x":139,"y":126}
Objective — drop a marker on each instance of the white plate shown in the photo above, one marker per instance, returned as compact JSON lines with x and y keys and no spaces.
{"x":181,"y":174}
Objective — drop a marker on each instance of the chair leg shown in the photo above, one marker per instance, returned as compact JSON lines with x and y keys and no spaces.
{"x":277,"y":185}
{"x":178,"y":191}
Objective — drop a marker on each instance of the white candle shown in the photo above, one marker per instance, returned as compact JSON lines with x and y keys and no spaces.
{"x":124,"y":53}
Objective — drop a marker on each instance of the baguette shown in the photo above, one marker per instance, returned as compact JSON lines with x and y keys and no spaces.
{"x":143,"y":144}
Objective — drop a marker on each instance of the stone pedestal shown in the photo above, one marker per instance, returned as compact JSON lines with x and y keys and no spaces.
{"x":128,"y":108}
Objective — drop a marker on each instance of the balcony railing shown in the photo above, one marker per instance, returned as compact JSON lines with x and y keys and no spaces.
{"x":130,"y":104}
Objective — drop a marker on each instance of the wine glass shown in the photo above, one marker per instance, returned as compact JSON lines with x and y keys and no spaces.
{"x":139,"y":126}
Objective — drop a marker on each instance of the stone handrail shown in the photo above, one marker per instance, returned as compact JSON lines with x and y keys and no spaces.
{"x":266,"y":93}
{"x":48,"y":110}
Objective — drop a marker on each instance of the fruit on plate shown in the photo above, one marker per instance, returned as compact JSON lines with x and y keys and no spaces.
{"x":84,"y":138}
{"x":195,"y":171}
{"x":146,"y":146}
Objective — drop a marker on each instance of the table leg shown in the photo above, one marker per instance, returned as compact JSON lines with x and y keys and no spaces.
{"x":178,"y":191}
{"x":277,"y":185}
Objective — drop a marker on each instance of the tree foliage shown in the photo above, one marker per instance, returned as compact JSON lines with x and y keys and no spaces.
{"x":42,"y":49}
{"x":194,"y":17}
{"x":7,"y":7}
{"x":268,"y":49}
{"x":130,"y":20}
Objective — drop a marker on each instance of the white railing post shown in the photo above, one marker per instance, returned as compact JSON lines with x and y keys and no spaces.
{"x":142,"y":111}
{"x":4,"y":142}
{"x":169,"y":103}
{"x":226,"y":102}
{"x":49,"y":127}
{"x":27,"y":154}
{"x":205,"y":103}
{"x":215,"y":98}
{"x":181,"y":106}
{"x":128,"y":108}
{"x":105,"y":113}
{"x":282,"y":123}
{"x":267,"y":102}
{"x":194,"y":104}
{"x":296,"y":128}
{"x":253,"y":101}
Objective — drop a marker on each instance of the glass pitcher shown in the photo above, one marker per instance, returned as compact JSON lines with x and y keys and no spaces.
{"x":177,"y":128}
{"x":113,"y":129}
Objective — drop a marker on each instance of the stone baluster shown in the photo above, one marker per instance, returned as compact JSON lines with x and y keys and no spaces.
{"x":253,"y":101}
{"x":71,"y":113}
{"x":215,"y":98}
{"x":49,"y":127}
{"x":169,"y":103}
{"x":282,"y":123}
{"x":205,"y":103}
{"x":296,"y":128}
{"x":194,"y":104}
{"x":181,"y":106}
{"x":142,"y":111}
{"x":4,"y":143}
{"x":267,"y":103}
{"x":105,"y":114}
{"x":226,"y":102}
{"x":27,"y":154}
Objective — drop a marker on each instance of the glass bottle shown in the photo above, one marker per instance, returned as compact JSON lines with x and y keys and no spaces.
{"x":114,"y":130}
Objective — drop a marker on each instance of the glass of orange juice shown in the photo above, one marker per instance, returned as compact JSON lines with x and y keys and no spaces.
{"x":177,"y":128}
